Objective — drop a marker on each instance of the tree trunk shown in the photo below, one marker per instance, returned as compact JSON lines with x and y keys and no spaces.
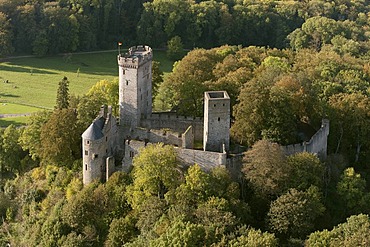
{"x":340,"y":139}
{"x":358,"y":149}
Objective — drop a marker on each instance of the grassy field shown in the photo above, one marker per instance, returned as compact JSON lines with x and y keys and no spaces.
{"x":10,"y":108}
{"x":33,"y":81}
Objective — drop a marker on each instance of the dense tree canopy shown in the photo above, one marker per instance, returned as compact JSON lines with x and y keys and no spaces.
{"x":294,"y":213}
{"x":47,"y":27}
{"x":354,"y":232}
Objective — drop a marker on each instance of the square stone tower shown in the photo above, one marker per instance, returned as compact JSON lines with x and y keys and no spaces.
{"x":135,"y":86}
{"x":216,"y":121}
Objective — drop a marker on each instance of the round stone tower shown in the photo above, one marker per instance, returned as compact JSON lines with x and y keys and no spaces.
{"x":135,"y":85}
{"x":216,"y":136}
{"x":93,"y":152}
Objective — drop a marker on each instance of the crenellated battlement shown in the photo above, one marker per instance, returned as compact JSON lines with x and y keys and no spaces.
{"x":135,"y":57}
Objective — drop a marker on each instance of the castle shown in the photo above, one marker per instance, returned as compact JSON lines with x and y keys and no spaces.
{"x":108,"y":140}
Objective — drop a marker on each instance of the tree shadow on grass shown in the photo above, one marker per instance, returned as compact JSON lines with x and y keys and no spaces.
{"x":8,"y":95}
{"x":20,"y":69}
{"x":5,"y":122}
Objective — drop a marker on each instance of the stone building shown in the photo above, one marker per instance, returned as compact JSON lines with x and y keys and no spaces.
{"x":99,"y":143}
{"x":216,"y":121}
{"x":135,"y":86}
{"x":107,"y":140}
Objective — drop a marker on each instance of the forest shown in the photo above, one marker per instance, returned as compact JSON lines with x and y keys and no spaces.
{"x":44,"y":27}
{"x":285,"y":64}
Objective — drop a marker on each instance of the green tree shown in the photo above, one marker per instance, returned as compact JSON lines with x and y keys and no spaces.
{"x":351,"y":121}
{"x":5,"y":203}
{"x":255,"y":238}
{"x":61,"y":29}
{"x":216,"y":216}
{"x":107,"y":93}
{"x":305,"y":170}
{"x":266,"y":169}
{"x":156,"y":171}
{"x":207,"y":19}
{"x":352,"y":191}
{"x":182,"y":234}
{"x":157,"y":77}
{"x":88,"y":108}
{"x":354,"y":232}
{"x":294,"y":213}
{"x":317,"y":31}
{"x":26,"y":27}
{"x":6,"y":35}
{"x":186,"y":84}
{"x":71,"y":240}
{"x":53,"y":228}
{"x":175,"y":48}
{"x":150,"y":212}
{"x":121,"y":231}
{"x":30,"y":139}
{"x":270,"y":105}
{"x":40,"y":44}
{"x":196,"y":189}
{"x":164,"y":99}
{"x":62,"y":101}
{"x":60,"y":138}
{"x":87,"y":212}
{"x":11,"y":151}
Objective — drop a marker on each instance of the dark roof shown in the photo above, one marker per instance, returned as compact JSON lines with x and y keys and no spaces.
{"x":94,"y":131}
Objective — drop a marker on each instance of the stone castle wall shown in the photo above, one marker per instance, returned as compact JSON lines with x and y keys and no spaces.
{"x":206,"y":160}
{"x":132,"y":148}
{"x":234,"y":165}
{"x":176,"y":123}
{"x":188,"y":138}
{"x":317,"y":144}
{"x":166,"y":136}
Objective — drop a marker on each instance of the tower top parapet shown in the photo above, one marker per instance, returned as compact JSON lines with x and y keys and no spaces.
{"x":136,"y":56}
{"x":216,"y":95}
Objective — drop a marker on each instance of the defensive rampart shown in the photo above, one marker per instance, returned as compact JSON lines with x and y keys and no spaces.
{"x":166,"y":136}
{"x":317,"y":144}
{"x":136,"y":56}
{"x":162,"y":120}
{"x":206,"y":160}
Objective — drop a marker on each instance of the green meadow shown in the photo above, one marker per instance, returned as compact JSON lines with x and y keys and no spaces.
{"x":28,"y":84}
{"x":10,"y":108}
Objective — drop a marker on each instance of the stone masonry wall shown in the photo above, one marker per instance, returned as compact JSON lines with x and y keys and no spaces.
{"x":206,"y":160}
{"x":216,"y":121}
{"x":176,"y":123}
{"x":131,"y":150}
{"x":93,"y":160}
{"x":317,"y":144}
{"x":187,"y":157}
{"x":166,"y":136}
{"x":110,"y":167}
{"x":188,"y":138}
